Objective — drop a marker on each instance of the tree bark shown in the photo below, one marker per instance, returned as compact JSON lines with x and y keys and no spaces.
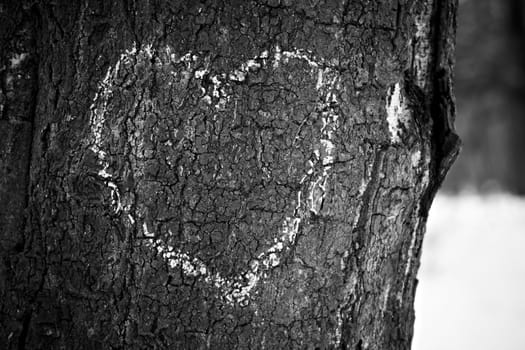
{"x":221,"y":174}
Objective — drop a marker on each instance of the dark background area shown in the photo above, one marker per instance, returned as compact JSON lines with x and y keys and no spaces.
{"x":490,"y":92}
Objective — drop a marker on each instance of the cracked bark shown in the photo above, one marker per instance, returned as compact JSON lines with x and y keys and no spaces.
{"x":250,"y":174}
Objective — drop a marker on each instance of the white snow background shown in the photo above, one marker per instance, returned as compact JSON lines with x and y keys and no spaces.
{"x":471,"y":292}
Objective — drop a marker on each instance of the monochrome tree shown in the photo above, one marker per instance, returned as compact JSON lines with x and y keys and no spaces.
{"x":219,"y":174}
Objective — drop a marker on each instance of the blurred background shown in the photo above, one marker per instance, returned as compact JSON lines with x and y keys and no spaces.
{"x":471,"y":292}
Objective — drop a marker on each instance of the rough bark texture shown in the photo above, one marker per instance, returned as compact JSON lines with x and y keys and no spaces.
{"x":219,"y":174}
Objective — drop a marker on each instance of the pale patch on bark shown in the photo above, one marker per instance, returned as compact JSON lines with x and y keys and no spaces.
{"x":363,"y":186}
{"x":398,"y":115}
{"x":416,"y":158}
{"x":319,"y":79}
{"x":17,"y":59}
{"x":386,"y":296}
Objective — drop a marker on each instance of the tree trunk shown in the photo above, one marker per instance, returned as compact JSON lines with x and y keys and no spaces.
{"x":220,"y":174}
